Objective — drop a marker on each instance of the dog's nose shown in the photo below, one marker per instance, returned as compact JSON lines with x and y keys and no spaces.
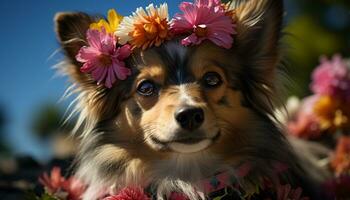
{"x":190,"y":118}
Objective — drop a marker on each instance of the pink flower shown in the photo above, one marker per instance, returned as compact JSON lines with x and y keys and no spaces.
{"x":74,"y":188}
{"x":130,"y":193}
{"x":305,"y":123}
{"x":57,"y":185}
{"x":332,"y":78}
{"x":204,"y":19}
{"x":53,"y":182}
{"x":103,"y":59}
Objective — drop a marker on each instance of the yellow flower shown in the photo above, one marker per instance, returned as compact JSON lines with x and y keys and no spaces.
{"x":111,"y":26}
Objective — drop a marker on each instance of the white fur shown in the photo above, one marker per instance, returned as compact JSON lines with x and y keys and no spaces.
{"x":184,"y":173}
{"x":189,"y":148}
{"x":185,"y":98}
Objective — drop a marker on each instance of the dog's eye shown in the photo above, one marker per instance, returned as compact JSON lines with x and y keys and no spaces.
{"x":211,"y":80}
{"x":146,"y":88}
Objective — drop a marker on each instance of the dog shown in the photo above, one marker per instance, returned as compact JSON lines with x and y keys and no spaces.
{"x":185,"y":113}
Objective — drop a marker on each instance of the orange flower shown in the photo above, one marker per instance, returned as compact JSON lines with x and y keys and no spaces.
{"x":332,"y":113}
{"x":341,"y":160}
{"x":147,"y":28}
{"x":324,"y":109}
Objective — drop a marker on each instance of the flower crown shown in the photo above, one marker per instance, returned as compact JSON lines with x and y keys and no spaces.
{"x":111,"y":41}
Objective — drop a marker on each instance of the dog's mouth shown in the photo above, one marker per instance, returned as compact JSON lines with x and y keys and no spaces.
{"x":187,"y":145}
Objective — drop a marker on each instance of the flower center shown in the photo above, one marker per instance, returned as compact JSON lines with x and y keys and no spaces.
{"x":105,"y":60}
{"x":151,"y":30}
{"x":201,"y":30}
{"x":155,"y":27}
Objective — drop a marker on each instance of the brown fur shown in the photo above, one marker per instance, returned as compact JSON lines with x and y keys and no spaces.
{"x":117,"y":147}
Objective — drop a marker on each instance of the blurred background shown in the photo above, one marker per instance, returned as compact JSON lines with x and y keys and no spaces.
{"x":31,"y":113}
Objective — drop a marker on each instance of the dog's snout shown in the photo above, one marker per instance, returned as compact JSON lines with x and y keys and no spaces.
{"x":190,"y":118}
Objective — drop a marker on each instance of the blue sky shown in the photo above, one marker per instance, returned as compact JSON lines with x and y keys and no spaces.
{"x":27,"y":43}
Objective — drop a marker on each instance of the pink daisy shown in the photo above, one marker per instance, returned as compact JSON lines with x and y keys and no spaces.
{"x":103,"y":59}
{"x":202,"y":20}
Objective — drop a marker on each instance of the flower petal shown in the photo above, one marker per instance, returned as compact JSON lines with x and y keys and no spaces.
{"x":93,"y":38}
{"x":192,"y":39}
{"x":114,"y":20}
{"x":222,"y":39}
{"x":124,"y":52}
{"x":87,"y":53}
{"x":99,"y":74}
{"x":120,"y":70}
{"x":110,"y":77}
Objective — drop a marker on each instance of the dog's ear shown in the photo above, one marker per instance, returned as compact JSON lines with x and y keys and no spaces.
{"x":259,"y":26}
{"x":71,"y":30}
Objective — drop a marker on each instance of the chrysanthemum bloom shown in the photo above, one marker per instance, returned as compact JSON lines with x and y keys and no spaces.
{"x":341,"y":159}
{"x":332,"y":78}
{"x":305,"y":123}
{"x":130,"y":193}
{"x":204,"y":20}
{"x":111,"y":26}
{"x":145,"y":28}
{"x":103,"y":59}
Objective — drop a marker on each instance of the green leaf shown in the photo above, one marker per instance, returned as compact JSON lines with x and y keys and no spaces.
{"x":48,"y":197}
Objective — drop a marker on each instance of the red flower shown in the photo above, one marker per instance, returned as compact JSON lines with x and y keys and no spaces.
{"x":130,"y":193}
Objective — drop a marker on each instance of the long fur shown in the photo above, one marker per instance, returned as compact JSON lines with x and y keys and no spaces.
{"x":116,"y":131}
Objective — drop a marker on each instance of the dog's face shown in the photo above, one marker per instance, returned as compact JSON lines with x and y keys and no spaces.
{"x":181,"y":100}
{"x":184,"y":99}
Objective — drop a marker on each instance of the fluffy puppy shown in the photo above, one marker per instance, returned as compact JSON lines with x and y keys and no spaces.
{"x":185,"y":113}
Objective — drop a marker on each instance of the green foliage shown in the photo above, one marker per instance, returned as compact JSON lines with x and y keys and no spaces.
{"x":307,"y":41}
{"x":49,"y":120}
{"x":32,"y":196}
